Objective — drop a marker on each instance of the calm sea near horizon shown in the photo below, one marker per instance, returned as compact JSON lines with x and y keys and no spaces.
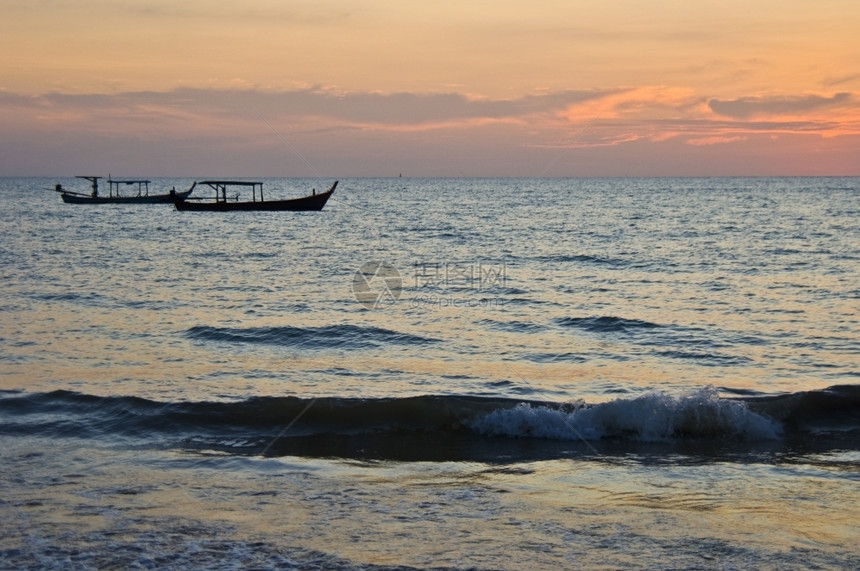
{"x":434,"y":373}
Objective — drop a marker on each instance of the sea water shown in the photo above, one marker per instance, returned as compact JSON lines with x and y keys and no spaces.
{"x":435,"y":373}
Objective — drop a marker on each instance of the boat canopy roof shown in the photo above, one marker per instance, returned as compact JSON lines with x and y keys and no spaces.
{"x":230,"y":183}
{"x":114,"y":181}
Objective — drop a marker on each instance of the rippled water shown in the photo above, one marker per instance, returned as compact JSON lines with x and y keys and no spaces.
{"x":467,"y":373}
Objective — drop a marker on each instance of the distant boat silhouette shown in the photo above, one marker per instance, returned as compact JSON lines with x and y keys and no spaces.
{"x":222,"y":202}
{"x":114,"y":196}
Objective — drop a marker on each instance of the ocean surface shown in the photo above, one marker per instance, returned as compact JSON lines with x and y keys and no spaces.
{"x":434,"y":374}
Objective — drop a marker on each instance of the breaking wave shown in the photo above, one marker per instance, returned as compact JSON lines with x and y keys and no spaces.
{"x":653,"y":417}
{"x":443,"y":427}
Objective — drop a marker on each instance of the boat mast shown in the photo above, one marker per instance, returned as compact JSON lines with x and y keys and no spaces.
{"x":95,"y":183}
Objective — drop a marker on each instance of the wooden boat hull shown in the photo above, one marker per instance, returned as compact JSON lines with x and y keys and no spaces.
{"x":307,"y":203}
{"x":151,"y":199}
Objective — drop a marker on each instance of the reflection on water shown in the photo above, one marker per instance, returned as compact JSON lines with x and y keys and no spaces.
{"x":544,"y":514}
{"x":747,"y":283}
{"x":208,"y":390}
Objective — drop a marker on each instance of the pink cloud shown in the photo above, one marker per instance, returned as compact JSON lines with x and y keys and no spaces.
{"x":250,"y":131}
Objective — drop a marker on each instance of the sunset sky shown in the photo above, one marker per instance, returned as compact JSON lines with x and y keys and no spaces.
{"x":444,"y":88}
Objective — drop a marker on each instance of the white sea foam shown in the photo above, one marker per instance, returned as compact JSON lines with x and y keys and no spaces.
{"x":652,"y":417}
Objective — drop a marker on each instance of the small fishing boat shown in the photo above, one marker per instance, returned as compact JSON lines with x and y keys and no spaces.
{"x":223,"y":202}
{"x":114,"y":196}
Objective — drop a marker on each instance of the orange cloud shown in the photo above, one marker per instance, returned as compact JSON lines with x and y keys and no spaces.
{"x":654,"y":102}
{"x":715,"y":140}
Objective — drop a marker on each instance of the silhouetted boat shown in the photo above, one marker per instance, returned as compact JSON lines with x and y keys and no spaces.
{"x":114,"y":195}
{"x":221,"y":202}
